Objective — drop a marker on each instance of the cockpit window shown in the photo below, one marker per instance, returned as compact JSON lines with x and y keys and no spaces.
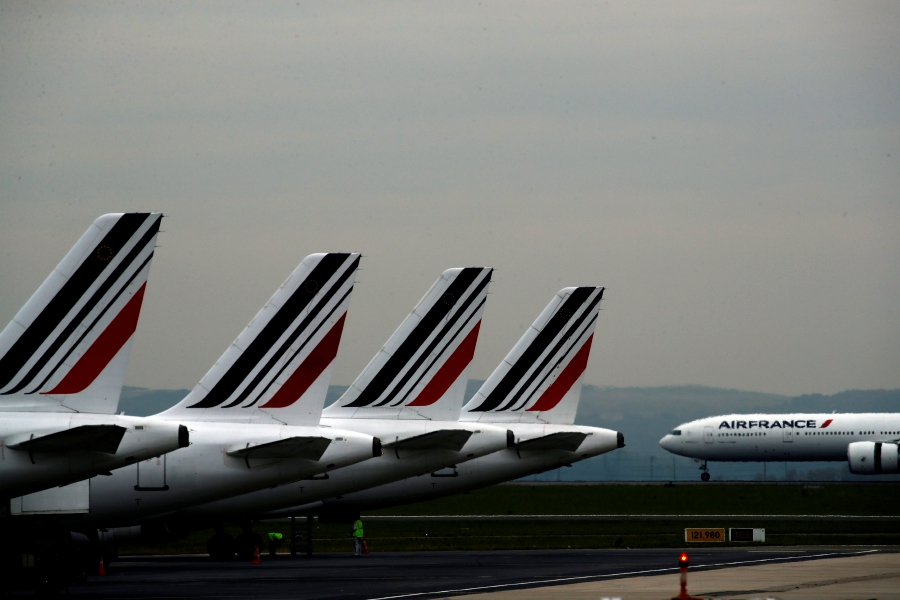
{"x":676,"y":432}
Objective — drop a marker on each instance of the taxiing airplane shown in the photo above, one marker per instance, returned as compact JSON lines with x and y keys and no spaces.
{"x":62,"y":366}
{"x":868,"y":442}
{"x":254,"y":417}
{"x":534,"y":393}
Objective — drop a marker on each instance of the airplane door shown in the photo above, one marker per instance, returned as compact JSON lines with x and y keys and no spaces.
{"x":787,"y":435}
{"x":151,"y":475}
{"x":708,"y":434}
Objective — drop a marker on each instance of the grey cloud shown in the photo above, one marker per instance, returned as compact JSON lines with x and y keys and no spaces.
{"x":696,"y":158}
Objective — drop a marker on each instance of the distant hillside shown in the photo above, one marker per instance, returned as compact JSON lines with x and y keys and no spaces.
{"x":644,"y":415}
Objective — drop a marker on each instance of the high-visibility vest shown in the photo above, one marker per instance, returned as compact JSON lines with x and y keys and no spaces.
{"x":357,"y":528}
{"x":275,"y":537}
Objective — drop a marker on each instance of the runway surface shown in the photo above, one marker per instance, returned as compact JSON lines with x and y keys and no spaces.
{"x":874,"y":576}
{"x":408,"y":574}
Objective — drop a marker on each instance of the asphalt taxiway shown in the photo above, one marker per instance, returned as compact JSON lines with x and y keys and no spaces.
{"x":868,"y":576}
{"x":422,"y":575}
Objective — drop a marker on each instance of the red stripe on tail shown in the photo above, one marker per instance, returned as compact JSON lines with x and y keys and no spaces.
{"x":313,"y":366}
{"x":553,"y":394}
{"x":104,"y":348}
{"x":450,"y":370}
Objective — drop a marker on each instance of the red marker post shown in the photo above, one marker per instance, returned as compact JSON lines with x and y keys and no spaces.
{"x":683,"y":563}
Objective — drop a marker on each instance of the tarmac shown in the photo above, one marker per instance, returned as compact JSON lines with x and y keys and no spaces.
{"x":871,"y":576}
{"x":760,"y":572}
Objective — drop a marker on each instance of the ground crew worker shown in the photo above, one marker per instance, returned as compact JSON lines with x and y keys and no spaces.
{"x":357,"y":534}
{"x":274,"y":542}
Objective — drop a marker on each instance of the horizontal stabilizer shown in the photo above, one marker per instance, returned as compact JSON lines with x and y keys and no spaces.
{"x":444,"y":439}
{"x":564,"y":440}
{"x":97,"y":438}
{"x":308,"y":447}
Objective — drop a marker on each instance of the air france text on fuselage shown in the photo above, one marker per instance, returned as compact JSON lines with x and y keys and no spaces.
{"x":763,"y":424}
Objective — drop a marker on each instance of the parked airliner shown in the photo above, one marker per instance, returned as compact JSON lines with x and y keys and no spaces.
{"x":866,"y":441}
{"x":534,"y":392}
{"x":254,"y":417}
{"x":409,"y":396}
{"x":62,"y":365}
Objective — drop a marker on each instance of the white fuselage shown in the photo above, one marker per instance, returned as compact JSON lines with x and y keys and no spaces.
{"x":785,"y":437}
{"x":23,"y":472}
{"x":395,"y":464}
{"x":504,"y":465}
{"x":204,"y":471}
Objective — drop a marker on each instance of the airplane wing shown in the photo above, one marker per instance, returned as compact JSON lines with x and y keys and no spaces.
{"x":443,"y":439}
{"x":308,"y":447}
{"x":99,"y":438}
{"x":564,"y":440}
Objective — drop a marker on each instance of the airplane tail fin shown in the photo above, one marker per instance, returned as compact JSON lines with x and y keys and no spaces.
{"x":422,"y":370}
{"x":540,"y":379}
{"x":279,"y":367}
{"x":67,"y":349}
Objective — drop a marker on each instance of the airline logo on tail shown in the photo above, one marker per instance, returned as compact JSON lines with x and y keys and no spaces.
{"x":548,"y":361}
{"x":289,"y":345}
{"x":432,"y":348}
{"x":84,"y":313}
{"x":565,"y":380}
{"x":450,"y":370}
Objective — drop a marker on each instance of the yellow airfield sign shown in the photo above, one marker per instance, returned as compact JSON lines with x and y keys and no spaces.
{"x":704,"y":535}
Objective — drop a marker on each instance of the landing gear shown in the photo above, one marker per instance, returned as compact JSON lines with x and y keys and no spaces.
{"x":246,"y":542}
{"x":220,"y":546}
{"x":704,"y":476}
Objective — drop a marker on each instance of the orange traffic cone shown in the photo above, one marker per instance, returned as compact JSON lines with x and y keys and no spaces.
{"x":256,"y":559}
{"x":101,"y":570}
{"x":365,"y":546}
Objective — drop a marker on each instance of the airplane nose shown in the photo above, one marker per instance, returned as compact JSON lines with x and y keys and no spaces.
{"x":665,"y":442}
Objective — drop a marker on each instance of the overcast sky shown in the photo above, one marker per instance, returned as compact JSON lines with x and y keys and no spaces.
{"x":729,"y":171}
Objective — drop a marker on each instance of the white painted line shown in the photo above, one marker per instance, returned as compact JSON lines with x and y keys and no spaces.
{"x":632,"y":516}
{"x":614,"y":575}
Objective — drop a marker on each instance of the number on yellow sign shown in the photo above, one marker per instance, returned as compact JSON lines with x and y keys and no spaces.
{"x":704,"y":535}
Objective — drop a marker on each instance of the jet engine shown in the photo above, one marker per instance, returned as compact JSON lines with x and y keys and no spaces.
{"x":872,"y":458}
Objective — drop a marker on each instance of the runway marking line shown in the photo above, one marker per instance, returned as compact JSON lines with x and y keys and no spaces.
{"x":629,"y":516}
{"x":625,"y":574}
